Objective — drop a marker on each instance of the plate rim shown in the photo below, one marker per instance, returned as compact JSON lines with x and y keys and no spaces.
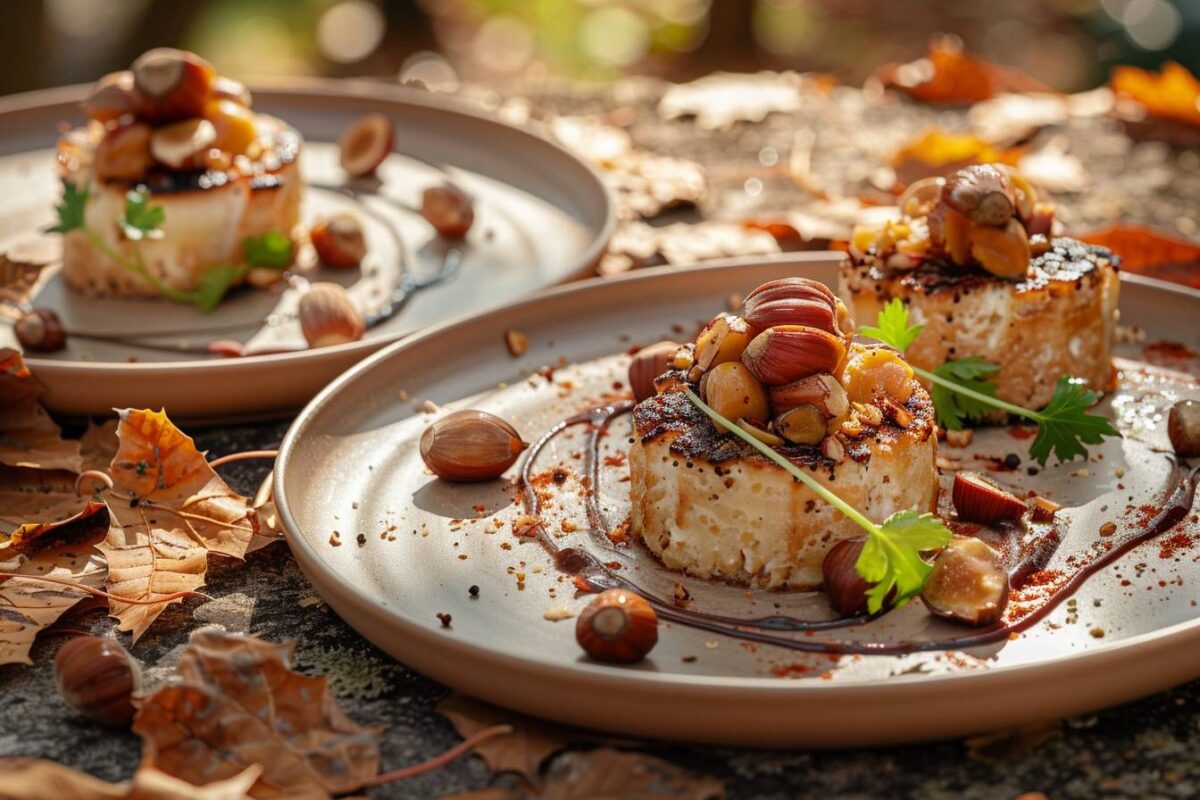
{"x":367,"y":91}
{"x":311,"y":562}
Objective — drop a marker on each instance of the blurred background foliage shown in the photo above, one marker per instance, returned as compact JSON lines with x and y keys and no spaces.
{"x":1069,"y":44}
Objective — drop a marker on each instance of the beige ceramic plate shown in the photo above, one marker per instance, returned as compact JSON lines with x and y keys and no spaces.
{"x":523,"y":187}
{"x":408,"y":546}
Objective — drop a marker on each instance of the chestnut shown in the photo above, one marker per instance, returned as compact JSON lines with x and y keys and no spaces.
{"x":328,"y":316}
{"x":470,"y":445}
{"x":983,"y":192}
{"x":1183,"y":428}
{"x":40,"y":331}
{"x":173,"y":84}
{"x":617,"y":627}
{"x":98,"y":678}
{"x":977,"y":499}
{"x":112,"y":97}
{"x":846,"y":588}
{"x":448,"y":209}
{"x":968,"y":583}
{"x":647,"y":364}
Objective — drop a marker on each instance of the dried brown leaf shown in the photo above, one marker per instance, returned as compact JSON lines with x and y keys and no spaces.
{"x":35,"y":495}
{"x":522,"y":751}
{"x":28,"y":605}
{"x":1011,"y":745}
{"x":608,"y":774}
{"x":38,"y":779}
{"x":98,"y":445}
{"x":1173,"y":93}
{"x":159,"y":467}
{"x":239,"y":703}
{"x":268,"y":529}
{"x":948,"y":76}
{"x":28,"y":437}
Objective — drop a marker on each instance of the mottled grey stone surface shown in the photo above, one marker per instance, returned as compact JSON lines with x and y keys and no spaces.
{"x":1149,"y":749}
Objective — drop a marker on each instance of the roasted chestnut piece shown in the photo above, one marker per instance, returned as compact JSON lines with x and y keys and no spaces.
{"x":977,"y":499}
{"x":470,"y":445}
{"x":619,"y":627}
{"x":40,"y":331}
{"x":365,"y":144}
{"x":173,"y":84}
{"x":328,"y":316}
{"x":448,"y":209}
{"x":112,"y":97}
{"x":846,"y":589}
{"x":968,"y":583}
{"x":983,"y":192}
{"x":339,"y":241}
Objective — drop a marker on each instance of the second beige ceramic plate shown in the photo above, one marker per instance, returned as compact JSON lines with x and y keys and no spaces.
{"x":391,"y":548}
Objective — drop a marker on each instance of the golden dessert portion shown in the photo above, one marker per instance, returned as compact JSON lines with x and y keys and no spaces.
{"x":972,"y":258}
{"x":188,"y":141}
{"x":708,"y":504}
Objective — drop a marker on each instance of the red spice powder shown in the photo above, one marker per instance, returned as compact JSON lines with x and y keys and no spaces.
{"x":790,"y":670}
{"x":1022,"y":432}
{"x":1169,"y":548}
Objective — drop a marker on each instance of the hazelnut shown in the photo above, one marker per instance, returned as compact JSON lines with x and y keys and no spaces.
{"x":920,"y":198}
{"x":365,"y":144}
{"x":821,"y":390}
{"x":968,"y":583}
{"x":40,"y":331}
{"x":734,"y":393}
{"x":182,"y":145}
{"x":448,"y":209}
{"x":787,"y":353}
{"x":228,"y":89}
{"x":470,"y":445}
{"x":98,"y":678}
{"x":618,"y":627}
{"x":846,"y":588}
{"x":173,"y":84}
{"x":1183,"y":428}
{"x":516,"y":342}
{"x":328,"y":316}
{"x":339,"y":241}
{"x":234,"y":124}
{"x":761,"y":433}
{"x":124,"y":153}
{"x":723,"y":339}
{"x":983,"y":192}
{"x":1002,"y":251}
{"x":878,"y":371}
{"x":804,"y":424}
{"x":647,"y":364}
{"x":112,"y":97}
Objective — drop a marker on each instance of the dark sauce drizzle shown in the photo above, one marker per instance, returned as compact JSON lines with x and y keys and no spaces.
{"x":1025,"y":558}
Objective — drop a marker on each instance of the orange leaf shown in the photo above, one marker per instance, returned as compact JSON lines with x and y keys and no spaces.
{"x":28,"y":437}
{"x":38,"y":779}
{"x":1173,"y":93}
{"x":948,"y":76}
{"x":159,"y":466}
{"x":939,"y":152}
{"x":239,"y":703}
{"x":148,"y":562}
{"x":98,"y":445}
{"x":28,"y":605}
{"x":36,"y":495}
{"x":1151,"y":252}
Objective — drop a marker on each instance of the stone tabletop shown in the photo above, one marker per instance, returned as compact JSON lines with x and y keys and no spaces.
{"x":765,"y":155}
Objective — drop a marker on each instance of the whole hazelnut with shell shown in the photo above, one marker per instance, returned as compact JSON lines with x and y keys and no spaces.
{"x":98,"y":678}
{"x":328,"y":316}
{"x":41,"y":331}
{"x":618,"y":627}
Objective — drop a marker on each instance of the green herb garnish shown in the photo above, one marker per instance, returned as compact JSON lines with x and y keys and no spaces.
{"x":141,"y":219}
{"x":961,"y":391}
{"x":891,"y":558}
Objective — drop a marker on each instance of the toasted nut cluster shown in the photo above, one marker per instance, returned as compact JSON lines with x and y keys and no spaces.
{"x":982,"y":216}
{"x":172,"y":110}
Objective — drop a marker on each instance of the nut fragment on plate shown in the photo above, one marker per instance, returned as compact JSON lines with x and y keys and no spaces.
{"x":1183,"y":428}
{"x":448,"y":209}
{"x":339,"y":241}
{"x":516,"y":342}
{"x":968,"y":583}
{"x":365,"y":144}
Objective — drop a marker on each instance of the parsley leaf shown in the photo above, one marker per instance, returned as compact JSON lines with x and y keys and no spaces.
{"x":272,"y":249}
{"x":891,"y":557}
{"x":893,"y":328}
{"x":214,"y":283}
{"x":1065,"y":423}
{"x":70,"y":210}
{"x":953,"y":408}
{"x":141,"y":220}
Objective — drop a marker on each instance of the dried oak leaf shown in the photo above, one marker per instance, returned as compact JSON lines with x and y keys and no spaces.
{"x":1151,"y":252}
{"x":522,"y":751}
{"x":28,"y":437}
{"x":1173,"y":93}
{"x":59,"y":551}
{"x":238,"y":703}
{"x":608,"y":774}
{"x":39,"y":779}
{"x":948,"y":76}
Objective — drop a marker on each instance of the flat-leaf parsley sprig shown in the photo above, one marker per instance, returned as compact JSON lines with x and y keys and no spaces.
{"x":141,"y":220}
{"x":962,"y":391}
{"x":891,"y":559}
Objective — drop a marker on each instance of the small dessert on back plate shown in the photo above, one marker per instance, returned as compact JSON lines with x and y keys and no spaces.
{"x":785,"y":370}
{"x":973,"y":258}
{"x":175,"y":187}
